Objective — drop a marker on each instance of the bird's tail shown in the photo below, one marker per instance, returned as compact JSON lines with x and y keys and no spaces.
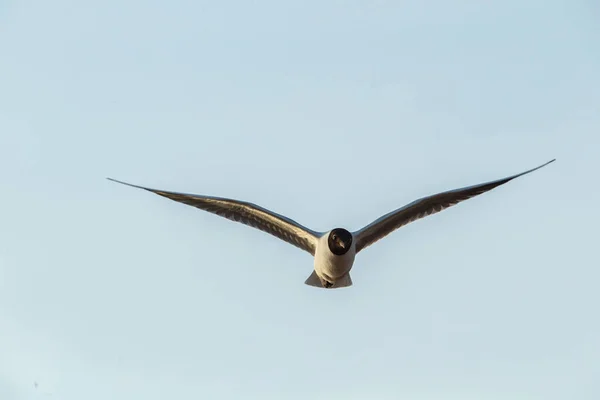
{"x":314,"y":280}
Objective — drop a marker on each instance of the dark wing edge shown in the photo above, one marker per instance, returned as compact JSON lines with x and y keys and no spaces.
{"x":246,"y":213}
{"x":424,"y":207}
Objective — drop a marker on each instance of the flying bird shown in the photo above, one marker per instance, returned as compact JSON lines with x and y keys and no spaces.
{"x":333,"y":251}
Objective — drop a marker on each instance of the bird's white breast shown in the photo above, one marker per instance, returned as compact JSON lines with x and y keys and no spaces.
{"x":330,"y":266}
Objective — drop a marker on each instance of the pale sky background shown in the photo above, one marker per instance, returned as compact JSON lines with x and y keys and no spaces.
{"x":330,"y":112}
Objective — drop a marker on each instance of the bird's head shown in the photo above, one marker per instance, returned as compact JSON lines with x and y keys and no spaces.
{"x":339,"y":241}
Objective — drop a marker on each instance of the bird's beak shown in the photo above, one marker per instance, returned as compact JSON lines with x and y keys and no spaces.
{"x":342,"y":244}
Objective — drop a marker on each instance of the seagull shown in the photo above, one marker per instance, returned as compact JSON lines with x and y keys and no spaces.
{"x":333,"y":251}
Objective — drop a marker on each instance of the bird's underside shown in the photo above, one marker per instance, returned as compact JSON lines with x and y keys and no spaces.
{"x":306,"y":239}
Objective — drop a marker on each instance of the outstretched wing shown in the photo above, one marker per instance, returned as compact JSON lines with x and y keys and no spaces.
{"x":248,"y":214}
{"x":423,"y":207}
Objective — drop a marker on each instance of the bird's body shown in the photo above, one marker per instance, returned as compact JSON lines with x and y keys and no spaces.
{"x":329,"y":266}
{"x":334,"y":251}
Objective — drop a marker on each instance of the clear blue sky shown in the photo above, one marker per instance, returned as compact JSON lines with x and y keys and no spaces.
{"x":108,"y":292}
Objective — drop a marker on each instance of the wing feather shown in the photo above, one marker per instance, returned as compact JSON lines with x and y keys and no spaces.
{"x":424,"y":207}
{"x":246,"y":213}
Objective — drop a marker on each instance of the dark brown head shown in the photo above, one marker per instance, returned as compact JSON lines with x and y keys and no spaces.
{"x":339,"y":241}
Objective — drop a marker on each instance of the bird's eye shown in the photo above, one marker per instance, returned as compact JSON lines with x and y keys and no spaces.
{"x":334,"y":237}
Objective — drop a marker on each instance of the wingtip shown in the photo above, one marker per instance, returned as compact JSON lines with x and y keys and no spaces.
{"x":546,"y":163}
{"x":117,"y":181}
{"x":125,"y":183}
